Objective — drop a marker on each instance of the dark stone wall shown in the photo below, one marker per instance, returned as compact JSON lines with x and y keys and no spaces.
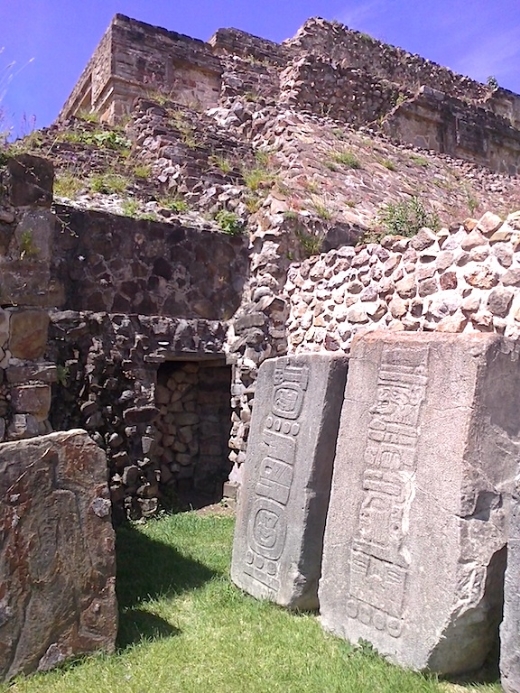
{"x":107,"y":369}
{"x":123,"y":265}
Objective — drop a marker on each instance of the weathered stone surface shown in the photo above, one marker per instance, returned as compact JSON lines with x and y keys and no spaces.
{"x":509,"y":645}
{"x":28,"y":334}
{"x":284,"y":497}
{"x":30,"y":180}
{"x":414,"y":548}
{"x":57,"y":565}
{"x":32,"y":399}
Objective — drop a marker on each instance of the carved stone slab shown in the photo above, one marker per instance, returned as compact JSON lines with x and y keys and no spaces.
{"x":414,"y":549}
{"x":510,"y":628}
{"x":57,"y":560}
{"x":285,"y":493}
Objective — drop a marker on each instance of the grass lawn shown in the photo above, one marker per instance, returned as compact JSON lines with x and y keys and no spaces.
{"x":184,"y":628}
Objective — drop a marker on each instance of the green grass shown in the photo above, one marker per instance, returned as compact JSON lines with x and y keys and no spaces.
{"x":344,"y":158}
{"x":66,"y":184}
{"x":184,"y":628}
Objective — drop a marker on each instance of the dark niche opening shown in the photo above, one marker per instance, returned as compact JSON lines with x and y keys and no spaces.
{"x":193,"y":426}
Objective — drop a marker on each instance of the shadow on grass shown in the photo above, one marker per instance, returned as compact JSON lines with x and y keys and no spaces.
{"x":148,"y":570}
{"x":137,"y":625}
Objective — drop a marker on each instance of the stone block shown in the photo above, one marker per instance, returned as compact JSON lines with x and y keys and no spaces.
{"x":414,"y":547}
{"x":28,"y":333}
{"x":510,"y":628}
{"x":22,"y":426}
{"x":57,"y":561}
{"x":285,"y":492}
{"x":32,"y":399}
{"x":31,"y":180}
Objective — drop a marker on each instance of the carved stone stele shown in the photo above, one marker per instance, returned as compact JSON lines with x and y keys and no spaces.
{"x":57,"y":558}
{"x":285,"y":493}
{"x":414,"y":549}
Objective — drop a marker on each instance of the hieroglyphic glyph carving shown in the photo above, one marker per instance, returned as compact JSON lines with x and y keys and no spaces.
{"x":284,"y":497}
{"x":267,"y":527}
{"x":380,"y":556}
{"x":416,"y":527}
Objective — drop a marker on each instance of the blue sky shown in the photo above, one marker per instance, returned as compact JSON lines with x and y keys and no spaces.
{"x":50,"y":41}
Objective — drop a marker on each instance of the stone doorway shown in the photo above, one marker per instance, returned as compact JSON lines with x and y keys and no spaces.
{"x":193,"y":427}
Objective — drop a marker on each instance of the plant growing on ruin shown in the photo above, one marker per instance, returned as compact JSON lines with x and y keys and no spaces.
{"x":388,"y":164}
{"x":473,"y":203}
{"x":258,"y":177}
{"x":338,"y":133}
{"x":142,"y":171}
{"x":130,"y":208}
{"x":27,"y":247}
{"x":345,"y":158}
{"x":104,"y":139}
{"x":175,"y":204}
{"x":108,"y":183}
{"x":321,"y":209}
{"x":407,"y":217}
{"x":492,"y":82}
{"x":178,"y":121}
{"x":221,"y":162}
{"x":419,"y":160}
{"x":62,"y":375}
{"x":229,"y":222}
{"x":89,"y":116}
{"x":310,"y":244}
{"x":66,"y":184}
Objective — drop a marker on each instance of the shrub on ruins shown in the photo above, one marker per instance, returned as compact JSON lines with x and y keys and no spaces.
{"x":407,"y":217}
{"x":229,"y":222}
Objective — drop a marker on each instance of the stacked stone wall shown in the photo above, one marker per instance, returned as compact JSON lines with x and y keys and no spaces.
{"x":119,"y":264}
{"x":26,"y":291}
{"x":433,"y":120}
{"x":193,"y":425}
{"x":326,"y":69}
{"x":236,"y":42}
{"x":352,"y":95}
{"x":108,"y":367}
{"x":333,"y":40}
{"x":463,"y":279}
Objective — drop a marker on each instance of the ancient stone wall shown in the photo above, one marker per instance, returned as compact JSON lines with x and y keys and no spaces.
{"x":193,"y":425}
{"x":135,"y":58}
{"x":90,"y":91}
{"x":119,"y":264}
{"x":108,"y":367}
{"x":333,"y":40}
{"x":433,"y":120}
{"x":463,"y":279}
{"x":326,"y":69}
{"x":352,"y":95}
{"x":26,"y":291}
{"x":235,"y":42}
{"x":187,"y":149}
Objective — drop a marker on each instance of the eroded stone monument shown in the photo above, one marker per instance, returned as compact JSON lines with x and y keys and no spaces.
{"x":510,"y":628}
{"x":285,"y":493}
{"x":57,"y":560}
{"x":414,"y":549}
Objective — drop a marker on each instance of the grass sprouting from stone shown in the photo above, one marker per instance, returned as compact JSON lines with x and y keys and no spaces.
{"x":184,"y":628}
